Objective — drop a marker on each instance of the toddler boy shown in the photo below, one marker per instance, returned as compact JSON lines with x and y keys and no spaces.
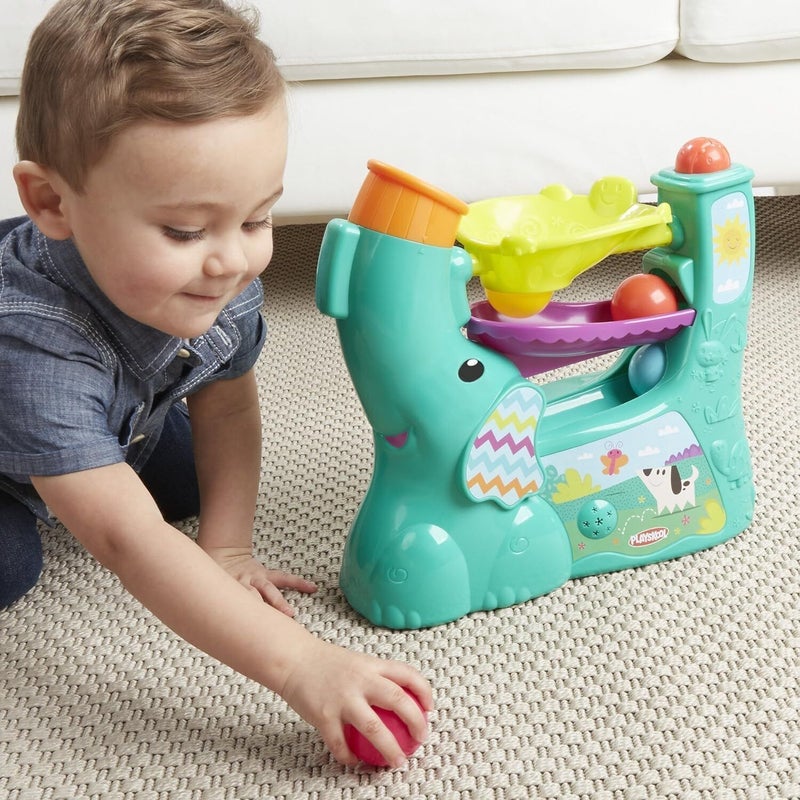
{"x":152,"y":142}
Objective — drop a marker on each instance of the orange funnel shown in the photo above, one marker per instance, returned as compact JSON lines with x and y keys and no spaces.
{"x":394,"y":202}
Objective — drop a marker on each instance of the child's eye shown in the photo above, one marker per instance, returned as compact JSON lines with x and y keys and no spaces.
{"x":180,"y":235}
{"x":258,"y":225}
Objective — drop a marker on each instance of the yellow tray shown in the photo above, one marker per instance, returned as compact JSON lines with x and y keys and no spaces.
{"x":526,"y":247}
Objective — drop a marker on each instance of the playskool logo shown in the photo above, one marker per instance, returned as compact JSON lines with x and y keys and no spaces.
{"x":648,"y":537}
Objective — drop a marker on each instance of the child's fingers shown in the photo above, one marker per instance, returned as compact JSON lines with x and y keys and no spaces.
{"x":271,"y":595}
{"x":421,"y":689}
{"x":285,"y":580}
{"x":406,"y":707}
{"x":405,"y":675}
{"x":371,"y":726}
{"x":269,"y":584}
{"x":335,"y":742}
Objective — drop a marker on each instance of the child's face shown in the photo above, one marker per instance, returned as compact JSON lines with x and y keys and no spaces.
{"x":175,"y":219}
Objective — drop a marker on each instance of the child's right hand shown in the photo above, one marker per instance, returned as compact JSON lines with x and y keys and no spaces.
{"x":330,"y":687}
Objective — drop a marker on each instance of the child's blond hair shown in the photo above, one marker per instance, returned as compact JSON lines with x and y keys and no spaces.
{"x":95,"y":67}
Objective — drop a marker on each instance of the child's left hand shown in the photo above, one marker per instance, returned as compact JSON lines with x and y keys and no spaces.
{"x":267,"y":583}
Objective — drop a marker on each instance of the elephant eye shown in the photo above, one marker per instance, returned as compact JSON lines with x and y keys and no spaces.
{"x":470,"y":370}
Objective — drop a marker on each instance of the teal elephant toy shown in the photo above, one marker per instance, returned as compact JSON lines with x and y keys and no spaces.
{"x":483,"y":494}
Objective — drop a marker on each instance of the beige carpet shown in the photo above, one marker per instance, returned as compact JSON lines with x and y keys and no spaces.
{"x":676,"y":680}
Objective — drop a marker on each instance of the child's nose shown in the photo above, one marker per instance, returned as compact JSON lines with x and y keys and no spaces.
{"x":227,"y":258}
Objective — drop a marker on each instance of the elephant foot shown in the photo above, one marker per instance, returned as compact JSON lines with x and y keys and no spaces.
{"x":420,"y":579}
{"x":535,"y":558}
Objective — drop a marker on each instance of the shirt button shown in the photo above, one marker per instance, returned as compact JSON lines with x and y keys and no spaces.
{"x":138,"y":438}
{"x":183,"y":353}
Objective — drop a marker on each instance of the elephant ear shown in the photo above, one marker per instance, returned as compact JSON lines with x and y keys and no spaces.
{"x":500,"y":462}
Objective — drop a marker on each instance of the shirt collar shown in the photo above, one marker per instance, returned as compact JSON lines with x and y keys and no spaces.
{"x":145,"y":350}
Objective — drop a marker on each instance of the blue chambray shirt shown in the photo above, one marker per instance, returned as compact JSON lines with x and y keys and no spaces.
{"x":83,"y":385}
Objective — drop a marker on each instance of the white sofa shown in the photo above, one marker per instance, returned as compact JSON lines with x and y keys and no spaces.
{"x":485,"y":99}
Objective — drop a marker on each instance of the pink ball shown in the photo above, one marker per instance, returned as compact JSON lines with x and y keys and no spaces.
{"x":643,"y":295}
{"x":367,"y":752}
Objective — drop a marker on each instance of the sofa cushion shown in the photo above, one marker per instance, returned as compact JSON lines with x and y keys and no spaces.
{"x":740,"y":30}
{"x":316,"y":39}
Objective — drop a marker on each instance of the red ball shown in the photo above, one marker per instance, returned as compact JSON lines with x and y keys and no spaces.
{"x":643,"y":296}
{"x":367,"y":752}
{"x":702,"y":155}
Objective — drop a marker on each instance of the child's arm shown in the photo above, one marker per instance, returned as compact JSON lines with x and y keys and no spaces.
{"x":226,"y":432}
{"x":111,"y":512}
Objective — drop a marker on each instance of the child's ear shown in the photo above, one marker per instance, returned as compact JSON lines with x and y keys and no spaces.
{"x":39,"y":192}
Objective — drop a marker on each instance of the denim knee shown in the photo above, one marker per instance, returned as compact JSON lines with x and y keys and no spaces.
{"x":20,"y":550}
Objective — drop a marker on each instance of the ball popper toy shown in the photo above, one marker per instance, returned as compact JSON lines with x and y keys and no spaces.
{"x":492,"y":485}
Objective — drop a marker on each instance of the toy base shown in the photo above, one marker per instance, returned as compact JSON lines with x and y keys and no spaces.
{"x":600,"y":564}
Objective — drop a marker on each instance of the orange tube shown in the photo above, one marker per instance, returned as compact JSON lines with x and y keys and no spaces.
{"x":395,"y":202}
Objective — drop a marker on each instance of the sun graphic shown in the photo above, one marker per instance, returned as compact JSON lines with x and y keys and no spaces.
{"x":732,"y":242}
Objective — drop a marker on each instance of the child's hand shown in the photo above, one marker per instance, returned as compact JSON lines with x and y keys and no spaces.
{"x":331,"y":687}
{"x":267,"y":583}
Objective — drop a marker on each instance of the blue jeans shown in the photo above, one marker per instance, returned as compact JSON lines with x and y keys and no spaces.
{"x":169,"y":475}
